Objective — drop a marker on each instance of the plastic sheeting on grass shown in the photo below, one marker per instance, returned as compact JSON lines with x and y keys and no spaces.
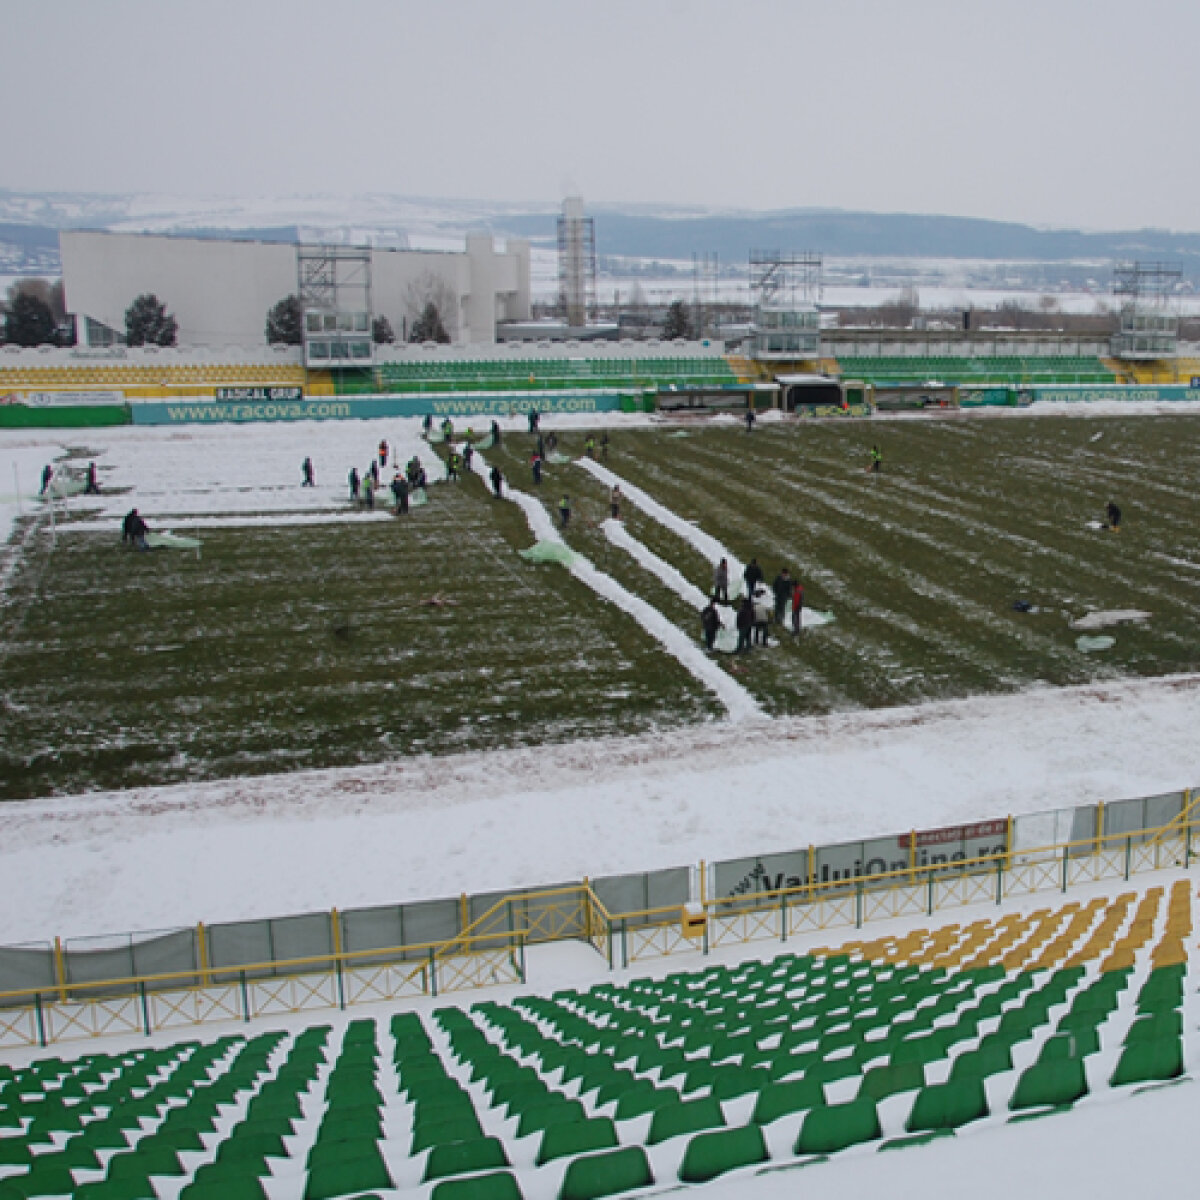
{"x":1089,"y":644}
{"x":549,"y":552}
{"x":166,"y":540}
{"x":1107,"y":617}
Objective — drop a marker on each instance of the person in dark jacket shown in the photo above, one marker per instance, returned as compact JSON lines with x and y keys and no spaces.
{"x":721,"y":582}
{"x":306,"y":469}
{"x":134,"y":530}
{"x":534,"y":419}
{"x":93,"y":484}
{"x":1114,"y":516}
{"x":468,"y":454}
{"x":710,"y":623}
{"x":497,"y":482}
{"x":400,"y":491}
{"x":495,"y":433}
{"x":452,"y":464}
{"x":564,"y":511}
{"x":782,"y":587}
{"x":752,"y":576}
{"x":535,"y":464}
{"x":745,"y":625}
{"x":47,"y":475}
{"x":354,"y":484}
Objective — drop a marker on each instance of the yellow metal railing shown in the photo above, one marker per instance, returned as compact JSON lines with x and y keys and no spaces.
{"x":491,"y":948}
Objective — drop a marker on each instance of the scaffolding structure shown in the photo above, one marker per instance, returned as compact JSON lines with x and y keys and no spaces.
{"x":787,"y":295}
{"x":706,"y":290}
{"x":334,"y":286}
{"x":1149,"y":319}
{"x":577,"y":263}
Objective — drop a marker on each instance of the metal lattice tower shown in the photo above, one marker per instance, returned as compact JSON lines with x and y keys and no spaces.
{"x":1149,"y":320}
{"x":790,"y":280}
{"x":787,"y":319}
{"x":577,"y":262}
{"x":1150,"y":284}
{"x":334,"y":286}
{"x":706,"y":288}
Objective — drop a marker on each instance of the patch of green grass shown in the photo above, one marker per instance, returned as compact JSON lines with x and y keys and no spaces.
{"x":923,"y":563}
{"x":305,"y":646}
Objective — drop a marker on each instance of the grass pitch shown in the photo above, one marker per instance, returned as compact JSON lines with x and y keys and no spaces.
{"x":305,"y":646}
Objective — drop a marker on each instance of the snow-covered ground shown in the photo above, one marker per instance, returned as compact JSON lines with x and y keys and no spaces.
{"x":162,"y":857}
{"x":111,"y":862}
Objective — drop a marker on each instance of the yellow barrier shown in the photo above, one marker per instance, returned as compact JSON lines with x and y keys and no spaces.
{"x":491,"y":949}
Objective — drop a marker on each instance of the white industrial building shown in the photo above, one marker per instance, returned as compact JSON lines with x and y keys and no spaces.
{"x":220,"y":291}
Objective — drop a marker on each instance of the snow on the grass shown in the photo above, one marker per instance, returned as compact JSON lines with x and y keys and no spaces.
{"x":381,"y":512}
{"x":1114,"y":616}
{"x":738,"y":702}
{"x":425,"y":827}
{"x":662,"y":570}
{"x":705,"y":543}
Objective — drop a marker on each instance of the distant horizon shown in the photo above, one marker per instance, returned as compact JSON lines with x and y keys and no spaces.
{"x":658,"y":209}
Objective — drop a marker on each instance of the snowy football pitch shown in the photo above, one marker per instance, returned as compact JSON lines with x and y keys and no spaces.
{"x":309,"y":634}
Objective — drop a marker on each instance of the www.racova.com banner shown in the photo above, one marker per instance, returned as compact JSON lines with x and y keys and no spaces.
{"x":202,"y":411}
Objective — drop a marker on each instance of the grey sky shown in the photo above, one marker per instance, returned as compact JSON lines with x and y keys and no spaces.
{"x":1055,"y":112}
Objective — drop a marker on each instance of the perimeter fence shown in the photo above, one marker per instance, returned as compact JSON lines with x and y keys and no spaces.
{"x":244,"y":970}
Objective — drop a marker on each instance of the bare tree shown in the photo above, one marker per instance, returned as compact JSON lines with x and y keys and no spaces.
{"x":431,"y":289}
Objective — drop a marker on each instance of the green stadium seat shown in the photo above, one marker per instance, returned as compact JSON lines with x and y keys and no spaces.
{"x":948,"y":1105}
{"x":499,"y":1185}
{"x":833,"y":1127}
{"x":347,"y":1176}
{"x":596,"y":1175}
{"x":576,"y":1137}
{"x":1149,"y":1060}
{"x":1051,"y":1084}
{"x":709,"y":1155}
{"x":461,"y":1158}
{"x":686,"y":1116}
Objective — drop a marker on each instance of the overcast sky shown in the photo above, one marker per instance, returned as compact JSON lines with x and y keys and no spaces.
{"x":1079,"y":113}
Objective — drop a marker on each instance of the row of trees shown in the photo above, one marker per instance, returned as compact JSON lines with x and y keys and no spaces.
{"x":35,"y":314}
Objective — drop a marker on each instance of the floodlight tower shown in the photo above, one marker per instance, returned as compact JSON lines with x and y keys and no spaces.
{"x":787,"y":317}
{"x":1149,"y":326}
{"x":577,"y":262}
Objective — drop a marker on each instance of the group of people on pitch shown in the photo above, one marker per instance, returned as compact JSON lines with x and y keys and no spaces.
{"x":756,"y":607}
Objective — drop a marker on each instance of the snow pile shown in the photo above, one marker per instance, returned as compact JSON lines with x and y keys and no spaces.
{"x":1105,"y":619}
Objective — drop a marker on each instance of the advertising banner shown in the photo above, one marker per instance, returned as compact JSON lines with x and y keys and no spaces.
{"x":67,"y":399}
{"x":202,"y":411}
{"x":1072,"y":393}
{"x":853,"y":860}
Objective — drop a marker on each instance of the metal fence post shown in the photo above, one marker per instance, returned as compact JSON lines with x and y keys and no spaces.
{"x":858,"y":904}
{"x":145,"y":1006}
{"x":245,"y":996}
{"x":1128,"y":857}
{"x":41,"y":1018}
{"x":432,"y":973}
{"x":999,"y":880}
{"x":1066,"y":860}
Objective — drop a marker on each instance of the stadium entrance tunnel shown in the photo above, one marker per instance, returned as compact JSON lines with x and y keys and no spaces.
{"x":798,"y":392}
